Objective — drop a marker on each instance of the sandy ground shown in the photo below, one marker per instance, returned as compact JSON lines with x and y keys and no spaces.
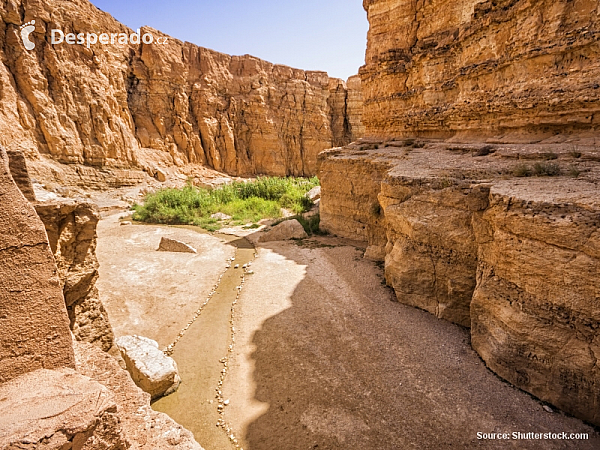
{"x":151,"y":293}
{"x":324,"y":358}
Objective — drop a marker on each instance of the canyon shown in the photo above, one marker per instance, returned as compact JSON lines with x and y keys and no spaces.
{"x":460,"y":177}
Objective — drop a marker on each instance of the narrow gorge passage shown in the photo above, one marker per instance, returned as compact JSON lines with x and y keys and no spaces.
{"x":324,"y":357}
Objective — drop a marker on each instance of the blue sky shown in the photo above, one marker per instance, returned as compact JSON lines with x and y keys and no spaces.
{"x":328,"y":35}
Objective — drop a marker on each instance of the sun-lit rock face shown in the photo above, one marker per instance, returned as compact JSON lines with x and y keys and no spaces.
{"x":141,"y":105}
{"x":33,"y":317}
{"x":516,"y":70}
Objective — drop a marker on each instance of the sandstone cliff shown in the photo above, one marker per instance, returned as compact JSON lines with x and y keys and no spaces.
{"x":129,"y":105}
{"x":466,"y":231}
{"x":71,"y":230}
{"x":46,"y":403}
{"x":514,"y":70}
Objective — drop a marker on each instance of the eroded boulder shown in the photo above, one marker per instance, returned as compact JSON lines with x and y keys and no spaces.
{"x":289,"y":229}
{"x":152,"y":370}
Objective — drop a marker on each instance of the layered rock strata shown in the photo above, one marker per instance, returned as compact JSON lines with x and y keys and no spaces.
{"x":33,"y":317}
{"x":512,"y":70}
{"x":145,"y":105}
{"x":514,"y":258}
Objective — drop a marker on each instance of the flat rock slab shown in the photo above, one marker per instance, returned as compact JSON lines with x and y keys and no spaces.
{"x":52,"y":409}
{"x":152,"y":370}
{"x":171,"y":245}
{"x":289,"y":229}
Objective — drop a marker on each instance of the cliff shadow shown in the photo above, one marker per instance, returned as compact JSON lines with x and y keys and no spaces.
{"x":345,"y":366}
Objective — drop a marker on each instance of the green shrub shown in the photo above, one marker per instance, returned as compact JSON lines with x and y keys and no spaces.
{"x":243,"y":201}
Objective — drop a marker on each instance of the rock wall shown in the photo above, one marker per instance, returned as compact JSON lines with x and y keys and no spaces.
{"x":148,"y":105}
{"x":516,"y":259}
{"x":512,"y":70}
{"x":33,"y":318}
{"x":71,"y":228}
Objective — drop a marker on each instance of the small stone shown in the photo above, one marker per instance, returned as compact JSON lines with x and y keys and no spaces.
{"x":171,"y":245}
{"x":226,"y":402}
{"x":160,"y":175}
{"x":220,"y":216}
{"x":126,"y":222}
{"x":548,"y":409}
{"x":237,"y":266}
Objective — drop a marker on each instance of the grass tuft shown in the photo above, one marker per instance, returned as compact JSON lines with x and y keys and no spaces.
{"x":244,"y":201}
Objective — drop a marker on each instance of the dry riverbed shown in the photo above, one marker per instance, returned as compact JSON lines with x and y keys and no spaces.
{"x":323,"y":356}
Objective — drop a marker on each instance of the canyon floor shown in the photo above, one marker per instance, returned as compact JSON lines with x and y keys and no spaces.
{"x":323,"y":357}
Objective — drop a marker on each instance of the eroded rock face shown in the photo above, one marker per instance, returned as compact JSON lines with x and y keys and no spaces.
{"x":18,"y":169}
{"x":515,"y":70}
{"x":71,"y":228}
{"x":144,"y":105}
{"x":516,"y":259}
{"x":152,"y":370}
{"x":33,"y":318}
{"x":144,"y":428}
{"x":535,"y":312}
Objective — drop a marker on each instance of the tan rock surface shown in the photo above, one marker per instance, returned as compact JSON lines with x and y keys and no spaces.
{"x":514,"y":258}
{"x":20,"y":174}
{"x":151,"y":370}
{"x":514,"y":70}
{"x":33,"y":317}
{"x":71,"y":228}
{"x":51,"y":410}
{"x":125,"y":105}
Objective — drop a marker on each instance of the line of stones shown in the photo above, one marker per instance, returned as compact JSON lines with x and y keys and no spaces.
{"x":171,"y":347}
{"x":225,"y":361}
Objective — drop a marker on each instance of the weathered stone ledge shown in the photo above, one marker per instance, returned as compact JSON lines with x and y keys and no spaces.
{"x":516,"y":259}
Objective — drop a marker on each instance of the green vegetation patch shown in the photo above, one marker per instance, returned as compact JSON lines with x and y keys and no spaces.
{"x":244,"y":201}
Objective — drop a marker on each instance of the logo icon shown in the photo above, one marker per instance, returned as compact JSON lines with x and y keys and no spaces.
{"x":26,"y":30}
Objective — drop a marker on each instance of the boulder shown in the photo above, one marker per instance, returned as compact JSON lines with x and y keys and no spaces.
{"x":314,"y":194}
{"x":220,"y":216}
{"x":289,"y":229}
{"x":152,"y":370}
{"x":171,"y":245}
{"x":160,"y":175}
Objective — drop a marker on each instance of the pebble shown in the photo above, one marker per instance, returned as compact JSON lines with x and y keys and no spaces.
{"x":548,"y":409}
{"x":237,"y":266}
{"x":125,"y":223}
